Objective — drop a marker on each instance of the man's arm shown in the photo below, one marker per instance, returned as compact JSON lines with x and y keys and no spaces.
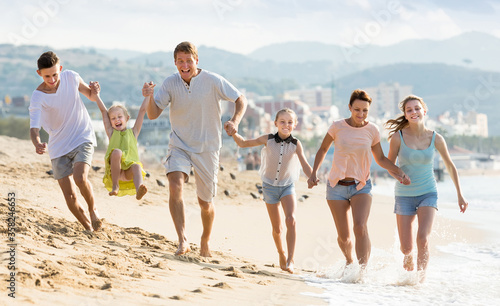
{"x":152,"y":110}
{"x":240,"y":107}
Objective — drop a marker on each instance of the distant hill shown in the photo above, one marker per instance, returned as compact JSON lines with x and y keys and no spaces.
{"x":473,"y":49}
{"x":443,"y":85}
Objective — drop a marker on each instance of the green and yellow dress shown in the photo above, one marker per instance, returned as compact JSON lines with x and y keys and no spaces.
{"x":127,"y":143}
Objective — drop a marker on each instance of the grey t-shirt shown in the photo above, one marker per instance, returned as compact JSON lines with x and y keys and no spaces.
{"x":195,"y":109}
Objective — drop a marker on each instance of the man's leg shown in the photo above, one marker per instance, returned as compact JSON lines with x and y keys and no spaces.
{"x":69,"y":191}
{"x":80,"y":175}
{"x":207,"y":219}
{"x":176,"y":205}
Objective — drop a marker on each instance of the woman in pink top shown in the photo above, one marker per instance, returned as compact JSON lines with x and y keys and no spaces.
{"x":355,"y":140}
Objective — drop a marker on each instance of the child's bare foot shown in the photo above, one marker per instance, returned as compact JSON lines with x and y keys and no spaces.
{"x":283,"y":264}
{"x":114,"y":190}
{"x":408,"y":262}
{"x":182,"y":249}
{"x":289,"y":267}
{"x":141,"y":192}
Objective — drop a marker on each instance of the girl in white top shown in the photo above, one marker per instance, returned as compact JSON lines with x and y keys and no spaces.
{"x":282,"y":156}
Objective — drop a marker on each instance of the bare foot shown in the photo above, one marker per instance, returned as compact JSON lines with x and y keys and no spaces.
{"x":140,"y":192}
{"x":114,"y":190}
{"x":205,"y":250}
{"x":421,"y":276}
{"x":283,"y":264}
{"x":182,"y":249}
{"x":408,"y":262}
{"x":97,"y":225}
{"x":289,"y":267}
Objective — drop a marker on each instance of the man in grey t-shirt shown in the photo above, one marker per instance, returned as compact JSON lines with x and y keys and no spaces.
{"x":194,"y":96}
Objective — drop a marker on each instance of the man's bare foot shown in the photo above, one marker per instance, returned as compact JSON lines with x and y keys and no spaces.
{"x":182,"y":249}
{"x":97,"y":225}
{"x":141,"y":192}
{"x":205,"y":250}
{"x":289,"y":267}
{"x":283,"y":264}
{"x":408,"y":262}
{"x":114,"y":190}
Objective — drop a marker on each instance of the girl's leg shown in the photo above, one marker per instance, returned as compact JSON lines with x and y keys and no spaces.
{"x":405,"y":230}
{"x":274,"y":215}
{"x":115,"y":165}
{"x":340,"y":210}
{"x":425,"y":220}
{"x":361,"y":204}
{"x":288,"y":202}
{"x":135,"y":173}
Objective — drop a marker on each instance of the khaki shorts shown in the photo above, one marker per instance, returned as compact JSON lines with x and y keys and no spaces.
{"x":63,"y":166}
{"x":205,"y":165}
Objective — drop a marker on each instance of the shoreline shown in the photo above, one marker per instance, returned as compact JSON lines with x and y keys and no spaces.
{"x":131,"y":261}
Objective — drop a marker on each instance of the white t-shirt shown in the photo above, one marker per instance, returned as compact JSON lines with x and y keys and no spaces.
{"x":195,"y":109}
{"x":62,"y":115}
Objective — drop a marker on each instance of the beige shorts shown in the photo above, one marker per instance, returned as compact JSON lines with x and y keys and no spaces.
{"x":205,"y":165}
{"x":63,"y":165}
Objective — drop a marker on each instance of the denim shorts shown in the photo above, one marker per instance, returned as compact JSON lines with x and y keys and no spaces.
{"x":63,"y":165}
{"x":273,"y":194}
{"x":408,"y":206}
{"x":340,"y":192}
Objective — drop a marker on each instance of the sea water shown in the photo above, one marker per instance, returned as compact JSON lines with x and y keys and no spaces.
{"x":462,"y":273}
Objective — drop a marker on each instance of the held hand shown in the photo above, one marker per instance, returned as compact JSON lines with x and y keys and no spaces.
{"x":148,"y":89}
{"x":405,"y":179}
{"x":41,"y":148}
{"x":95,"y":89}
{"x":312,"y":181}
{"x":230,"y":128}
{"x":463,"y":204}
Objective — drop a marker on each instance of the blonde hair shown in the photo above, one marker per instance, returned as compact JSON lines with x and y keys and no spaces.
{"x":395,"y":125}
{"x":286,"y":110}
{"x":119,"y":106}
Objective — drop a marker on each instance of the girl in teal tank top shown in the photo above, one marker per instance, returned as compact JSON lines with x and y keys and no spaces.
{"x":414,"y":146}
{"x":124,"y":173}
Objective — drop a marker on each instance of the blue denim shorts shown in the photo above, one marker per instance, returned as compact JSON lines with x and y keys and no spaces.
{"x":273,"y":194}
{"x":407,"y":206}
{"x":340,"y":192}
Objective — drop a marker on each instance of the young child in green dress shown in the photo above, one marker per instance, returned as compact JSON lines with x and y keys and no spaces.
{"x":124,"y":173}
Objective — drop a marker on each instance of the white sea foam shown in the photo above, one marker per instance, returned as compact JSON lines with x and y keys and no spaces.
{"x":459,"y":274}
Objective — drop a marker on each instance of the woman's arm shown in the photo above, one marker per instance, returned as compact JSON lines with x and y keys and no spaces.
{"x":318,"y":160}
{"x":387,"y":164}
{"x":441,"y":147}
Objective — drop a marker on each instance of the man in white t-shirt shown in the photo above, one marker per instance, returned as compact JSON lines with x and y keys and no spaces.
{"x":194,"y":96}
{"x":56,"y":107}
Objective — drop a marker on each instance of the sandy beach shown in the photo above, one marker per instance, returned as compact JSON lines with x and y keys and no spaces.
{"x":131,"y":261}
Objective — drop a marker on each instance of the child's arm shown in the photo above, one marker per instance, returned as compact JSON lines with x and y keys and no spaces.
{"x":242,"y":143}
{"x":140,"y":116}
{"x":303,"y":161}
{"x":94,"y":91}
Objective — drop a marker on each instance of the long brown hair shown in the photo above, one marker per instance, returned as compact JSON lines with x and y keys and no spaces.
{"x":395,"y":125}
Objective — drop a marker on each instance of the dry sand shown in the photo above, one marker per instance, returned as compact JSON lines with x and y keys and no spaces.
{"x":131,"y":261}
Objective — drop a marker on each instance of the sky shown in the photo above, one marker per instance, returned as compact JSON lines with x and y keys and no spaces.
{"x":239,"y":26}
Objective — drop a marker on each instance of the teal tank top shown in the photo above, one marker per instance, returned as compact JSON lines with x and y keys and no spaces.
{"x":419,"y":166}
